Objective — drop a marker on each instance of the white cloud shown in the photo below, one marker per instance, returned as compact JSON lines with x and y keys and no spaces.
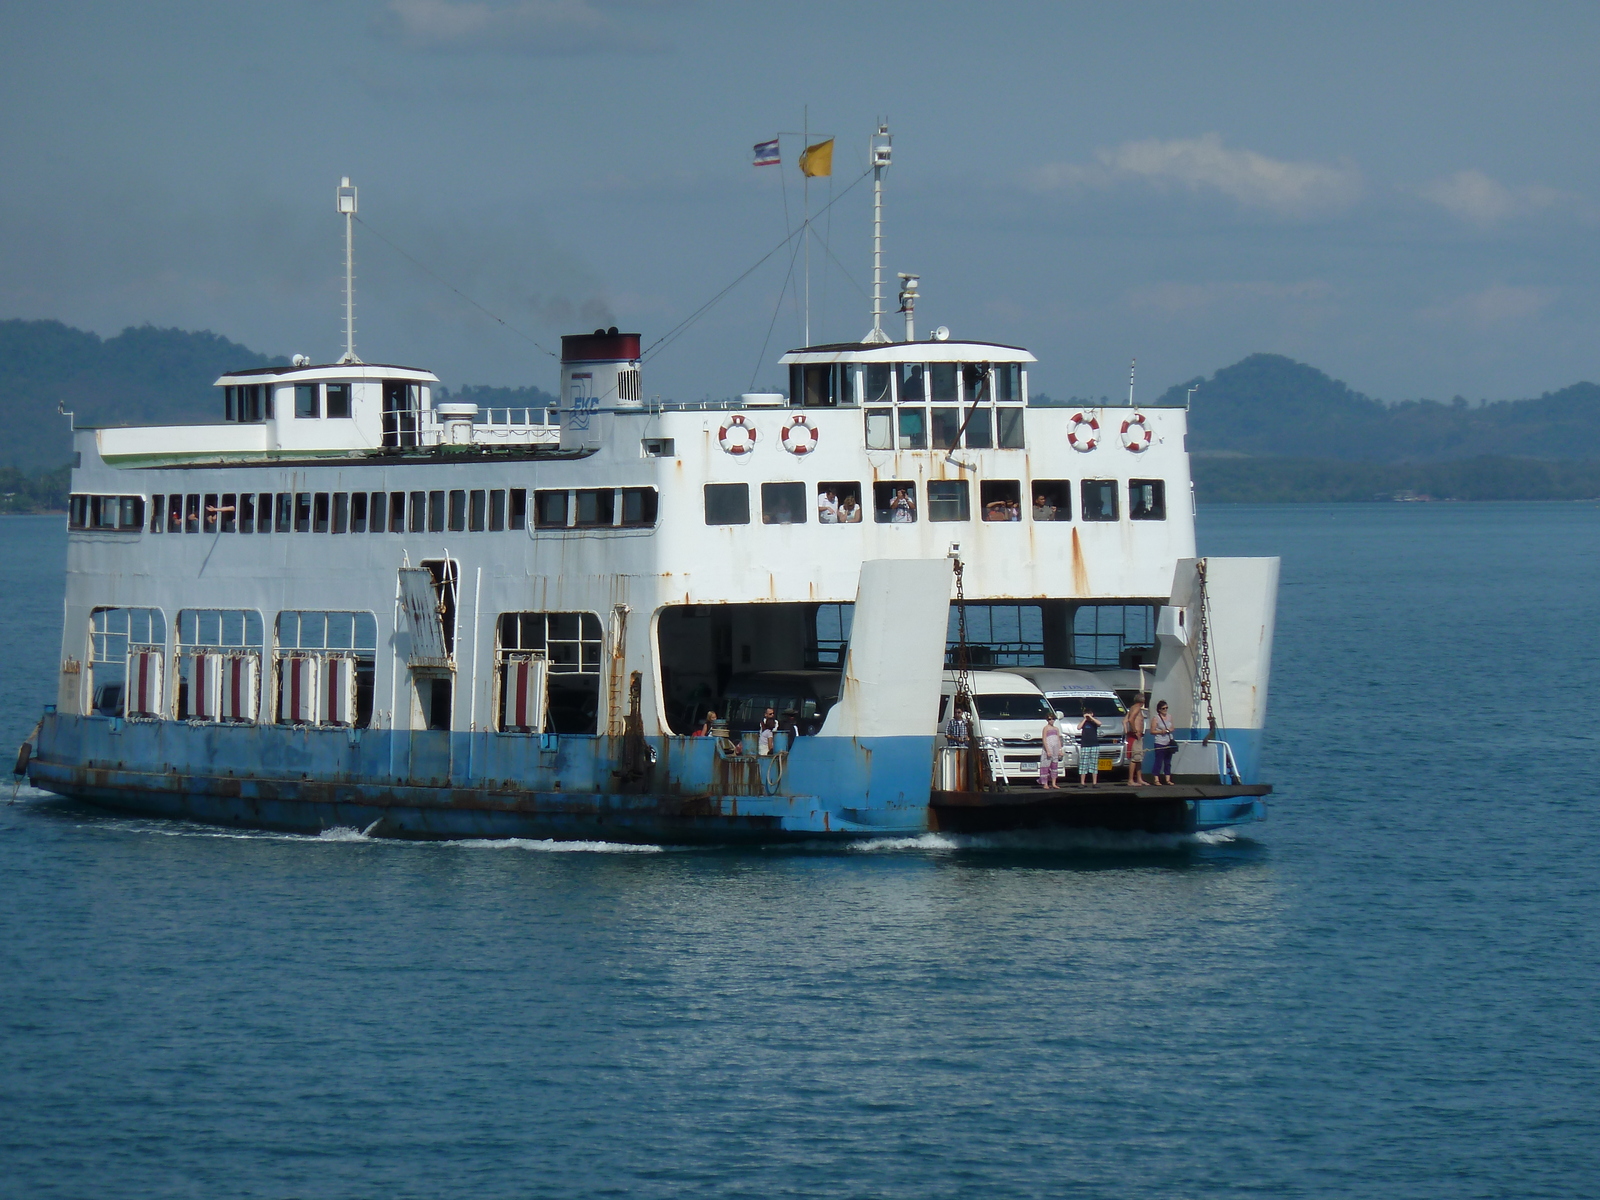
{"x":521,"y":27}
{"x":1287,"y":189}
{"x":1475,"y":197}
{"x":1499,"y":305}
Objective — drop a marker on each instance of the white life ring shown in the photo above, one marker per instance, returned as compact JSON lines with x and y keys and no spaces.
{"x":798,"y":436}
{"x":1136,"y":434}
{"x":737,"y":437}
{"x":1086,"y":441}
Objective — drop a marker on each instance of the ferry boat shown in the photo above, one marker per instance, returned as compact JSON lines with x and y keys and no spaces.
{"x":351,"y":603}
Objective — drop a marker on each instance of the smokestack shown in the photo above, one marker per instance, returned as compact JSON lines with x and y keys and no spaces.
{"x":599,"y":371}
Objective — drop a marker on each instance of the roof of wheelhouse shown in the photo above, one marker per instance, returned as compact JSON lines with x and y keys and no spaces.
{"x":929,"y":351}
{"x":331,"y":371}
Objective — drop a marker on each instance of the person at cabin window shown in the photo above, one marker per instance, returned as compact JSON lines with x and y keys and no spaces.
{"x":902,"y":508}
{"x":1043,"y":510}
{"x":705,"y":728}
{"x":849,"y":511}
{"x":828,"y":508}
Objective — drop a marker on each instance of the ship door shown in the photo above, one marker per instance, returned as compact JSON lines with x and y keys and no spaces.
{"x":428,"y":595}
{"x":402,"y":409}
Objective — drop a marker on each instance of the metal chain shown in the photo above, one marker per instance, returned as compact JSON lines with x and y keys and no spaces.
{"x":1203,"y":655}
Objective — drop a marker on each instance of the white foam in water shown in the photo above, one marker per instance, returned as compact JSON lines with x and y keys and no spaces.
{"x":551,"y":846}
{"x":341,"y":833}
{"x":926,"y":841}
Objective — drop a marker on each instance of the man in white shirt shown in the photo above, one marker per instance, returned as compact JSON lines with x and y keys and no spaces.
{"x":828,"y":508}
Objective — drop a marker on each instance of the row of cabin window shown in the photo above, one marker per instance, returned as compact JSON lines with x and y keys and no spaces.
{"x":250,"y":402}
{"x":105,"y":512}
{"x":457,"y":511}
{"x":894,"y":502}
{"x":829,"y":385}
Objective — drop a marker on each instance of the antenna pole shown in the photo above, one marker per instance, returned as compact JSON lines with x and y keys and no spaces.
{"x":805,"y":192}
{"x":1132,"y":363}
{"x":878,"y":150}
{"x":346,"y":197}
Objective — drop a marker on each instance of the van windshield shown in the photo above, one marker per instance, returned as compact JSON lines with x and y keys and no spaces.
{"x":1019,"y":706}
{"x":1077,"y":706}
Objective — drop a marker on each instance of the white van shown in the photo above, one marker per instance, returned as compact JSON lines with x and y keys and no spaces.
{"x":1074,"y":693}
{"x":1008,"y":723}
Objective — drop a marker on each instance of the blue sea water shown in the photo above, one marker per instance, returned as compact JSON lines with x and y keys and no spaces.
{"x":1389,"y":989}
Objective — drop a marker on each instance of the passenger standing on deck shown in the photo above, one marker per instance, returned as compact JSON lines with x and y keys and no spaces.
{"x":1089,"y":749}
{"x":1161,"y":726}
{"x":769,"y":731}
{"x":958,"y":729}
{"x":1053,"y":749}
{"x":1133,"y":729}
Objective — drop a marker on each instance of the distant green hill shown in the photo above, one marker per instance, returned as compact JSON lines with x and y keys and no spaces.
{"x":1271,"y":406}
{"x":144,"y":375}
{"x":1265,"y":428}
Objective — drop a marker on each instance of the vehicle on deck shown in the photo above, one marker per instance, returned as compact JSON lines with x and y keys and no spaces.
{"x":1008,"y":716}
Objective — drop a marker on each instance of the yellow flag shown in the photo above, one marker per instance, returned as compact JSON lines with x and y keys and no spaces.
{"x":818,"y":159}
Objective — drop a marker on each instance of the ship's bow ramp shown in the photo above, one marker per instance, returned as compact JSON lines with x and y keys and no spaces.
{"x":1216,"y":640}
{"x":877,"y":741}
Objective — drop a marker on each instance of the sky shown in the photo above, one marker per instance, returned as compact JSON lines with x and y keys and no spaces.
{"x":1406,"y":196}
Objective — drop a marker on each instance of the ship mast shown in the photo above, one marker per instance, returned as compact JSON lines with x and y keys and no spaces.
{"x":346,"y":198}
{"x":878,"y":151}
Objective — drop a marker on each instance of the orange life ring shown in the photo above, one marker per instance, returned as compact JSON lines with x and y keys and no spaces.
{"x":799,"y":437}
{"x":1084,"y":442}
{"x":1139,"y":429}
{"x":737,"y":437}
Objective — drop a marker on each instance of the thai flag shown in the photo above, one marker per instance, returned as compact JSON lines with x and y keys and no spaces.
{"x":767,"y":153}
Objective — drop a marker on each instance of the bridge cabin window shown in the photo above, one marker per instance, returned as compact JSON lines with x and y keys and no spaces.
{"x":839,"y":503}
{"x":324,"y":668}
{"x":973,"y":405}
{"x":1052,"y":500}
{"x":217,"y":665}
{"x":338,"y":400}
{"x":1147,"y":500}
{"x":727,"y":503}
{"x":821,"y":385}
{"x":307,"y":403}
{"x":894,"y":502}
{"x":783,"y":504}
{"x":247,"y":402}
{"x":1099,"y":499}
